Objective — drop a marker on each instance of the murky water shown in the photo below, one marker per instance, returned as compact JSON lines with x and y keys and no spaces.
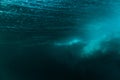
{"x":38,"y":37}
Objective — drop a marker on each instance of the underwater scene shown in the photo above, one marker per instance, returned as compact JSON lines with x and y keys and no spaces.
{"x":59,"y":39}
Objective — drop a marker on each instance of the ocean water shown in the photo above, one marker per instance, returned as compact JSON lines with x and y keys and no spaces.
{"x":59,"y":39}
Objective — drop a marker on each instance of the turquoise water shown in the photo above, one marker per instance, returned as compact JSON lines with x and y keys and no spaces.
{"x":59,"y":39}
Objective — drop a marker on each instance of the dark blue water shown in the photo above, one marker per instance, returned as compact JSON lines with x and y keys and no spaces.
{"x":59,"y":40}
